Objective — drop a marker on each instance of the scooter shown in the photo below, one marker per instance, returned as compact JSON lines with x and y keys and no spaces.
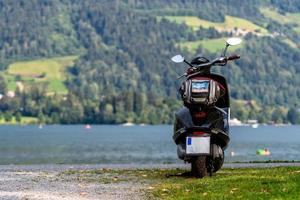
{"x":201,"y":127}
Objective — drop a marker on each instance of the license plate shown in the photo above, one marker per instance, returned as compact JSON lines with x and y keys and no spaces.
{"x":197,"y":145}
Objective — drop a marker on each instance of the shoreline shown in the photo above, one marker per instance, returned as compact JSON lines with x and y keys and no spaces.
{"x":140,"y":125}
{"x":64,"y":167}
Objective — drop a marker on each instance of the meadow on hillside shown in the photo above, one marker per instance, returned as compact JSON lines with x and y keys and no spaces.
{"x":51,"y":72}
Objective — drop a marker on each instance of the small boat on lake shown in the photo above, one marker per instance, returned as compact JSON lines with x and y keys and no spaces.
{"x":87,"y":126}
{"x":128,"y":124}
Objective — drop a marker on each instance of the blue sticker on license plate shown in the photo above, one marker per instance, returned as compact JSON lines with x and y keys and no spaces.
{"x":189,"y":142}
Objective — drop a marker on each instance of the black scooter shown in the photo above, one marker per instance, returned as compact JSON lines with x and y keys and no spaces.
{"x":201,"y":128}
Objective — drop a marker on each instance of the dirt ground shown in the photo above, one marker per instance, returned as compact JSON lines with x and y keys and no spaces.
{"x":54,"y":184}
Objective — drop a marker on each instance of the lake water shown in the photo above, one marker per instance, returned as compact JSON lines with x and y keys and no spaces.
{"x":106,"y":144}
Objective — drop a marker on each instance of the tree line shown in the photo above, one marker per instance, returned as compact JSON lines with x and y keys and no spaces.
{"x":124,"y":72}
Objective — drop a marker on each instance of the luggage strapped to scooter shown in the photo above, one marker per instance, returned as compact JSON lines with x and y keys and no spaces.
{"x":201,"y":90}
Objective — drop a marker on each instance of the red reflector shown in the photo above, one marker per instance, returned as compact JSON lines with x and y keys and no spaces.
{"x":199,"y":133}
{"x":200,"y":115}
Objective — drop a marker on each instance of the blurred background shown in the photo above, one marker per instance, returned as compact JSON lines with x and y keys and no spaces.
{"x":108,"y":61}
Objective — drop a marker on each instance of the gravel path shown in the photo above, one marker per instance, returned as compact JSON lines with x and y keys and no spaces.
{"x":22,"y":183}
{"x":52,"y":182}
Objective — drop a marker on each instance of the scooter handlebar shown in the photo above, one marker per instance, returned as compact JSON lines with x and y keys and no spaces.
{"x":233,"y":57}
{"x":221,"y":61}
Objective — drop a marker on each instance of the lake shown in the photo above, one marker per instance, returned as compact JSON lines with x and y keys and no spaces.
{"x":113,"y":144}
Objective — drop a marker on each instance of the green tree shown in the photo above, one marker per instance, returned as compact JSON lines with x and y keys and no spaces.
{"x":18,"y":117}
{"x":293,"y":116}
{"x":3,"y":88}
{"x":8,"y":117}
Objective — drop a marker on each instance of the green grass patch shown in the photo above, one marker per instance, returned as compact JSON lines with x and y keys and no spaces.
{"x":51,"y":68}
{"x":290,"y":43}
{"x":271,"y":183}
{"x":50,"y":71}
{"x":24,"y":120}
{"x":29,"y":120}
{"x":58,"y":86}
{"x":212,"y":45}
{"x":229,"y":24}
{"x":297,"y":29}
{"x":287,"y":18}
{"x":10,"y":81}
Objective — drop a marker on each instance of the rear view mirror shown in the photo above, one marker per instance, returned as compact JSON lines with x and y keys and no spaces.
{"x":177,"y":59}
{"x":234,"y":41}
{"x":231,"y":42}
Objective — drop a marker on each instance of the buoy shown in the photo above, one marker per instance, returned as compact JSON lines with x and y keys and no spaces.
{"x":88,"y":126}
{"x":263,"y":152}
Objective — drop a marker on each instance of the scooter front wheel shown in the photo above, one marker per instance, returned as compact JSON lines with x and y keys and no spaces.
{"x":199,"y":169}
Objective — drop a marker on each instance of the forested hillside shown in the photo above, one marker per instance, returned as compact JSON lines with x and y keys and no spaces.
{"x":111,"y":58}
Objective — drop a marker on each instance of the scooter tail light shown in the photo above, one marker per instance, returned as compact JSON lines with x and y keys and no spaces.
{"x":200,"y":115}
{"x":199,"y":133}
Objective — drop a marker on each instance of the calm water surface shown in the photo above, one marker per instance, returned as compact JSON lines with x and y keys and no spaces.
{"x":108,"y":144}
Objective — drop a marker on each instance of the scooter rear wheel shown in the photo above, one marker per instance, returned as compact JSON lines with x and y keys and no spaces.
{"x":199,"y":169}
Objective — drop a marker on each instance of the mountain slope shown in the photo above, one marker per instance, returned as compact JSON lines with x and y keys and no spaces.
{"x":124,"y":73}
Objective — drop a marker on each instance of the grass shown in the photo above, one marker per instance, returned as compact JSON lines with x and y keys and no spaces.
{"x":229,"y":24}
{"x":297,"y":29}
{"x":249,"y":183}
{"x":50,"y":71}
{"x":57,"y":85}
{"x":24,"y":120}
{"x":275,"y":183}
{"x":290,"y":43}
{"x":212,"y":45}
{"x":215,"y":45}
{"x":288,"y":18}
